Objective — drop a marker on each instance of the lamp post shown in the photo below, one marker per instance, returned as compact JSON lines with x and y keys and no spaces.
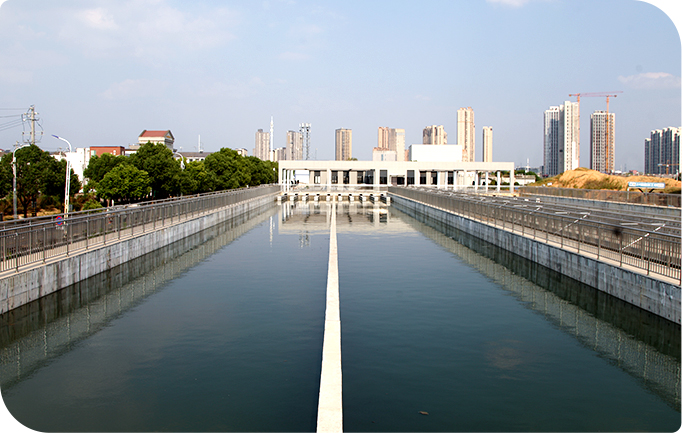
{"x":182,"y":158}
{"x":14,"y":181}
{"x":68,"y":177}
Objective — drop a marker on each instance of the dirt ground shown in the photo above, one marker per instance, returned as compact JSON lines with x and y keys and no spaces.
{"x":591,"y":179}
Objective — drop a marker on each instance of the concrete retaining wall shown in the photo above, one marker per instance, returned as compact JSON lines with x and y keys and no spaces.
{"x":658,"y":297}
{"x":25,"y":286}
{"x":660,"y":211}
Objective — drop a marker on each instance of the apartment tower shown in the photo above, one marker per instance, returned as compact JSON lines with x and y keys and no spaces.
{"x":434,"y":134}
{"x":561,"y":144}
{"x":602,"y":141}
{"x":294,"y":147}
{"x":262,"y":148}
{"x":344,"y":144}
{"x":466,"y":130}
{"x":662,"y":151}
{"x":487,"y":144}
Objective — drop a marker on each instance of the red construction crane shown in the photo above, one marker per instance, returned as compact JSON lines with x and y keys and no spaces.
{"x":601,"y":95}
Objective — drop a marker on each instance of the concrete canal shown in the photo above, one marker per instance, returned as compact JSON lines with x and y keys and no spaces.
{"x":439,"y":332}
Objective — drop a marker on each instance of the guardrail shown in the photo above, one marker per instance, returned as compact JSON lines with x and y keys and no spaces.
{"x":633,"y":197}
{"x":37,"y":239}
{"x":649,"y":250}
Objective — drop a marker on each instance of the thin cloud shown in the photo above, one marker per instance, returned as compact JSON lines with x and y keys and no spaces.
{"x":134,"y":89}
{"x":289,"y":55}
{"x":510,"y":3}
{"x":651,"y":80}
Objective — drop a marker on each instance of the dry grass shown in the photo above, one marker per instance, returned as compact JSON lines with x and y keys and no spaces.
{"x":590,"y":179}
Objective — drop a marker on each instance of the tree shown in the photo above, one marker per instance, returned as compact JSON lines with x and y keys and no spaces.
{"x":38,"y":173}
{"x":230,"y":169}
{"x":197,"y":179}
{"x":163,"y":170}
{"x":99,"y":166}
{"x":125,"y":182}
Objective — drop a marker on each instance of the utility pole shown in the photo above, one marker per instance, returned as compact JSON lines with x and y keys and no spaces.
{"x":31,"y":117}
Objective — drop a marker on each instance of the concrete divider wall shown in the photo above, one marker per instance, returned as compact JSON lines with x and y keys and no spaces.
{"x":25,"y":286}
{"x":661,"y":211}
{"x":655,"y":296}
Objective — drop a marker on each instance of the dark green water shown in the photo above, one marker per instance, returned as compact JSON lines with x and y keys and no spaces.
{"x":224,"y":333}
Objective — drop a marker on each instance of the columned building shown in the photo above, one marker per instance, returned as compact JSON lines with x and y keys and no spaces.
{"x":435,"y":134}
{"x":602,"y":141}
{"x":487,"y":144}
{"x":346,"y":175}
{"x":662,"y":151}
{"x":561,"y":144}
{"x":262,"y":147}
{"x":466,"y":133}
{"x":344,"y":144}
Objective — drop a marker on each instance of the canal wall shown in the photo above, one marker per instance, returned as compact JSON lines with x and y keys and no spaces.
{"x":35,"y":282}
{"x":658,"y":297}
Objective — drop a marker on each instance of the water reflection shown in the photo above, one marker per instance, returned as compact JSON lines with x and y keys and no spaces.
{"x":640,"y":343}
{"x":32,"y":335}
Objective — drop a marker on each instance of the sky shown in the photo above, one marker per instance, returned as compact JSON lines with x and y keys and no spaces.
{"x":100,"y":71}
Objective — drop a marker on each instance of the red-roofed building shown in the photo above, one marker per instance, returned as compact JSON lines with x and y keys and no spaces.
{"x":113,"y":150}
{"x":157,"y":137}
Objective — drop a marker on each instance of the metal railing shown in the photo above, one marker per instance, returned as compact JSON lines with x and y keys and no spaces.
{"x":634,"y":197}
{"x":650,"y":250}
{"x":38,"y":239}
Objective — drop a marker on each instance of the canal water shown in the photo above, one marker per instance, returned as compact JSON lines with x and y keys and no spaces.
{"x":440,"y":332}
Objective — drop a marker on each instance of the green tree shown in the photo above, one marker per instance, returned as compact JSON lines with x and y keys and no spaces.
{"x":163,"y":170}
{"x":197,"y":179}
{"x":230,"y":169}
{"x":38,"y":173}
{"x":126,"y":183}
{"x":99,"y":166}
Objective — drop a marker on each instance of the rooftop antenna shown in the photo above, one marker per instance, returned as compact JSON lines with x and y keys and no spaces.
{"x":199,"y":149}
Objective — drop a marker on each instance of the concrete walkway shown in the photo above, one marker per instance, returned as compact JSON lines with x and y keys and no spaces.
{"x":330,"y":406}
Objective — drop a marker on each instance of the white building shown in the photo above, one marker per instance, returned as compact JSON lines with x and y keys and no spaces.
{"x":487,"y":144}
{"x":262,"y":148}
{"x":294,"y":149}
{"x":379,"y":154}
{"x":603,"y":141}
{"x":561,"y":144}
{"x":435,"y":134}
{"x":466,"y":133}
{"x":429,"y":153}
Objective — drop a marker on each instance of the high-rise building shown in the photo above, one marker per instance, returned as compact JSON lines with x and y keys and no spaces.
{"x":392,"y":139}
{"x":262,"y":148}
{"x":561,"y":144}
{"x":344,"y":144}
{"x":294,"y":146}
{"x":487,"y":144}
{"x":396,"y":142}
{"x":434,"y":134}
{"x":662,"y":151}
{"x":383,"y":137}
{"x":466,"y":133}
{"x":551,"y":166}
{"x":602,"y":141}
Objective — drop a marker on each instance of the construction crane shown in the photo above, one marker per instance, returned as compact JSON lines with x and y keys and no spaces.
{"x":608,"y":95}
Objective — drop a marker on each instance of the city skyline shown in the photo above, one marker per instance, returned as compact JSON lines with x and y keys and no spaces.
{"x":98,"y":74}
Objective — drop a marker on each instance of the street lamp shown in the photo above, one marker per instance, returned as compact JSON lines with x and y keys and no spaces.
{"x":68,"y":177}
{"x":182,"y":158}
{"x":14,"y":171}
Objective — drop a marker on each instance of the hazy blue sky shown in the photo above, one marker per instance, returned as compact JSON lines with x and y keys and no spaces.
{"x":99,"y":72}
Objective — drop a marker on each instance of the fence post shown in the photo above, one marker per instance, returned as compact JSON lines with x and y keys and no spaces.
{"x":598,"y":241}
{"x":44,"y":243}
{"x":16,"y":250}
{"x":87,"y":232}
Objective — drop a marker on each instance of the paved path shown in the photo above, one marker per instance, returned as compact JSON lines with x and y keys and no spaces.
{"x":330,"y":407}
